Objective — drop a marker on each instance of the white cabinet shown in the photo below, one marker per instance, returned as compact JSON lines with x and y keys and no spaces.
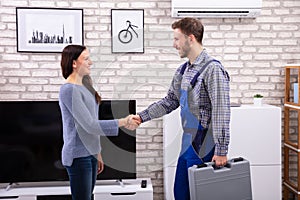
{"x":108,"y":190}
{"x":255,"y":135}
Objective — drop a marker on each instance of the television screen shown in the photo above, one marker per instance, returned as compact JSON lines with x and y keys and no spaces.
{"x":31,"y":142}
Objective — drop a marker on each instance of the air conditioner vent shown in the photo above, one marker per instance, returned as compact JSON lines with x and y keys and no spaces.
{"x":208,"y":11}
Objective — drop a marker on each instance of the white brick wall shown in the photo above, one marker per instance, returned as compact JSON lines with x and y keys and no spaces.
{"x":254,"y":52}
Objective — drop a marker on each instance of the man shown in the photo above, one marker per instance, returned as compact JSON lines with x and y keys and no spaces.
{"x":201,"y":88}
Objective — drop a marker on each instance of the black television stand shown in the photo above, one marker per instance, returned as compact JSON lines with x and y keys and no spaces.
{"x":10,"y":185}
{"x":120,"y":182}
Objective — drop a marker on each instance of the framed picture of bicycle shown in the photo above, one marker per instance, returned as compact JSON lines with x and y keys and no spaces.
{"x":127,"y":30}
{"x":48,"y":29}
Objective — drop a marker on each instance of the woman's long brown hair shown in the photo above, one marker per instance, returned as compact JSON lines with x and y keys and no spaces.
{"x":88,"y":83}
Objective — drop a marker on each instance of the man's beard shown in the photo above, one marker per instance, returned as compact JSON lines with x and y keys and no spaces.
{"x":185,"y":50}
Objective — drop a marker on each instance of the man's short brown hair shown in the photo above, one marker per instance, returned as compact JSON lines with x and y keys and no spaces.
{"x":190,"y":26}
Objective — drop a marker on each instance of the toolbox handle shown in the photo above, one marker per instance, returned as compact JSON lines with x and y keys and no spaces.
{"x":237,"y":159}
{"x":213,"y":164}
{"x":202,"y":165}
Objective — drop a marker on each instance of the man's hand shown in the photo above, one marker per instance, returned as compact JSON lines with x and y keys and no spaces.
{"x":131,"y":122}
{"x":137,"y":118}
{"x":219,"y":160}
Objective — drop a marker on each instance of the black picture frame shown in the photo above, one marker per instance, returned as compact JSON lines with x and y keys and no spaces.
{"x":48,"y":29}
{"x":127,"y":30}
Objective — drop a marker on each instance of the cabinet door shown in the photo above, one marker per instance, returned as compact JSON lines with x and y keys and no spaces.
{"x":266,"y":182}
{"x":255,"y":134}
{"x":135,"y":196}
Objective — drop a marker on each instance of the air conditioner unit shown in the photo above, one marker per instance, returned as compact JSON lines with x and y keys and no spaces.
{"x":216,"y":8}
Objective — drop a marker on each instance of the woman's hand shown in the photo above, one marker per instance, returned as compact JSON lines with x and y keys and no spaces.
{"x":100,"y":163}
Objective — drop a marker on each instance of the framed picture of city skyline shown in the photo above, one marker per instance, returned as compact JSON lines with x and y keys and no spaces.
{"x":48,"y":29}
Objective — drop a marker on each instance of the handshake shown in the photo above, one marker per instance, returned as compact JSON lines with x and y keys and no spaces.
{"x":131,"y":122}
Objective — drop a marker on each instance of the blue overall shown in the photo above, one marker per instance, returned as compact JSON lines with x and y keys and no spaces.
{"x":197,"y":144}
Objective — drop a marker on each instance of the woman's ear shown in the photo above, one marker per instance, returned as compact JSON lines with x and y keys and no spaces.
{"x":74,"y":64}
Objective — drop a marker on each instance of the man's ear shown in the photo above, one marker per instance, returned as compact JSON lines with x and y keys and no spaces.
{"x":192,"y":38}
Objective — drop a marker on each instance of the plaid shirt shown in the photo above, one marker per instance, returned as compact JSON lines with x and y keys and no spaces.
{"x":209,"y":100}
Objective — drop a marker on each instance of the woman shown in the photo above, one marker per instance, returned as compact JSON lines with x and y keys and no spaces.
{"x":81,"y":127}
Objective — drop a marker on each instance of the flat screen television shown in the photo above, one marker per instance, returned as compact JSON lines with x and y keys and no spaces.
{"x":31,"y":142}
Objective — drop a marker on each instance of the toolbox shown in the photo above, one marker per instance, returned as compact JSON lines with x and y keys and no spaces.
{"x":233,"y":181}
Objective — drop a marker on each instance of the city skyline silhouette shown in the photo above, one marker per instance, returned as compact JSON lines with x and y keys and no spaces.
{"x":41,"y":37}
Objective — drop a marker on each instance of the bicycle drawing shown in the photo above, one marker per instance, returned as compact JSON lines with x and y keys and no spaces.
{"x":125,"y":35}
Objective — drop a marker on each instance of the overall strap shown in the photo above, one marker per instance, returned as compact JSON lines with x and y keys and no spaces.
{"x":183,"y":68}
{"x":193,"y":82}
